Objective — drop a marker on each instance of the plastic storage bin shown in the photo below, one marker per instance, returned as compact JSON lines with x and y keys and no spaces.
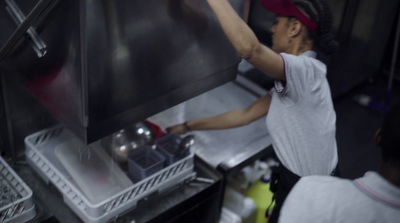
{"x":243,"y":206}
{"x":168,"y":145}
{"x":262,"y":196}
{"x":143,"y":162}
{"x":228,"y":216}
{"x":41,"y":157}
{"x":16,"y":202}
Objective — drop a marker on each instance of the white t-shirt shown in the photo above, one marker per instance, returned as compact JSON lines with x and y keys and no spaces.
{"x":301,"y":119}
{"x":330,"y":199}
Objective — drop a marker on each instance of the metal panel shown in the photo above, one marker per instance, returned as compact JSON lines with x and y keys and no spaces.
{"x":364,"y":37}
{"x":112,"y":63}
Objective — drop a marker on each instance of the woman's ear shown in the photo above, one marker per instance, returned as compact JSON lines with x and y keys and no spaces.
{"x":377,"y":137}
{"x":295,"y":28}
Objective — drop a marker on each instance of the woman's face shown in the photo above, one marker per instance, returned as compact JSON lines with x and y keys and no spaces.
{"x":280,"y":34}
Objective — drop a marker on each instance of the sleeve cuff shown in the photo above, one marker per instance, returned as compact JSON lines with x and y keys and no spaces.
{"x":279,"y":87}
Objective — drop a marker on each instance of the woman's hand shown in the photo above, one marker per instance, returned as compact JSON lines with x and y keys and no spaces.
{"x":179,"y":129}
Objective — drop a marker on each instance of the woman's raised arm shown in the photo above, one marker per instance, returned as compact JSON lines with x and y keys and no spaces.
{"x":245,"y":41}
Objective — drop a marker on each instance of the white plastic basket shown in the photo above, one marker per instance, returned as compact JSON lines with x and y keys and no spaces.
{"x":39,"y":154}
{"x":16,"y":202}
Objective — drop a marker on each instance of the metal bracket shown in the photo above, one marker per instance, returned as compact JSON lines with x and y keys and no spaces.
{"x":23,"y":27}
{"x":18,"y":16}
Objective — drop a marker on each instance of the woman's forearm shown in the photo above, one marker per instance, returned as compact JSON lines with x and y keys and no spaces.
{"x":226,"y":120}
{"x":234,"y":118}
{"x":223,"y":121}
{"x":231,"y":119}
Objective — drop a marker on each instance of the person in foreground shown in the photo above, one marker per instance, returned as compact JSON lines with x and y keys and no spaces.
{"x":301,"y":119}
{"x":375,"y":197}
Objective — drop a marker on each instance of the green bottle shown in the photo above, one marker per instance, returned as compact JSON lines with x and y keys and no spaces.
{"x":262,"y":197}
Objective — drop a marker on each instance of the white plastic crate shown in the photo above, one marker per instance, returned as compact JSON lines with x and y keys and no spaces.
{"x":40,"y":155}
{"x":228,"y":216}
{"x":16,"y":202}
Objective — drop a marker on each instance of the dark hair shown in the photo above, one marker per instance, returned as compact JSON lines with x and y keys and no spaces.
{"x":320,"y":12}
{"x":390,"y":136}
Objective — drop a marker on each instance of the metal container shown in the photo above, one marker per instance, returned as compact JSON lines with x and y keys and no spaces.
{"x":100,"y":66}
{"x":120,"y":143}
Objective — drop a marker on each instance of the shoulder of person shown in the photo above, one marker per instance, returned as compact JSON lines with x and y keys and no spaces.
{"x":315,"y":183}
{"x":322,"y":179}
{"x":300,"y":60}
{"x":316,"y":196}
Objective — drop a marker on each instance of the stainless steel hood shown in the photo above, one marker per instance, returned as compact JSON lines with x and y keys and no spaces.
{"x":101,"y":65}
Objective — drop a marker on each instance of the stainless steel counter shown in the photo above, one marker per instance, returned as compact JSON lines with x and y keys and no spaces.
{"x":227,"y":148}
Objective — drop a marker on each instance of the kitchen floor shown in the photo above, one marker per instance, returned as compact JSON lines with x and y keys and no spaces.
{"x":357,"y":124}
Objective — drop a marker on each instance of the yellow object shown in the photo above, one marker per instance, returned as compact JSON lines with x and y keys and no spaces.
{"x":262,"y":196}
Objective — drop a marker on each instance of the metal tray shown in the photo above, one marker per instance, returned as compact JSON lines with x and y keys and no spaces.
{"x":40,"y":156}
{"x":16,"y":202}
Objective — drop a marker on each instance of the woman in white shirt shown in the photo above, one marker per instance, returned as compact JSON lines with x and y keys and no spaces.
{"x":300,"y":115}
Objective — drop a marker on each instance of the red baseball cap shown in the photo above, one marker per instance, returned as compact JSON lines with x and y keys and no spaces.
{"x":287,"y":8}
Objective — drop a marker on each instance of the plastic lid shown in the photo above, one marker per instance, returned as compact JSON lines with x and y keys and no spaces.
{"x":263,"y":166}
{"x":265,"y":178}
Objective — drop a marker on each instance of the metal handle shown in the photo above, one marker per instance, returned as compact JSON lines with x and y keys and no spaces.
{"x":18,"y":16}
{"x":37,"y":11}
